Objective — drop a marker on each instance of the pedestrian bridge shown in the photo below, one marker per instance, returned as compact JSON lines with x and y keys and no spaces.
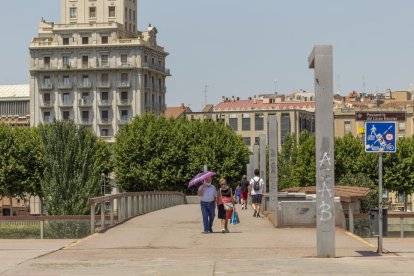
{"x":169,"y":241}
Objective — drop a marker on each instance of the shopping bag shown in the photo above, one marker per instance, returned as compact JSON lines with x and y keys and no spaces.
{"x":235,"y":218}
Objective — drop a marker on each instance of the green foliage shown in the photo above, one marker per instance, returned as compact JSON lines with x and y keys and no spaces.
{"x":19,"y":232}
{"x":154,"y":153}
{"x":399,"y":168}
{"x":74,"y":160}
{"x":67,"y":229}
{"x":20,"y":161}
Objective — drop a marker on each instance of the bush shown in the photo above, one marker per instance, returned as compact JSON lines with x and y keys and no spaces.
{"x":19,"y":232}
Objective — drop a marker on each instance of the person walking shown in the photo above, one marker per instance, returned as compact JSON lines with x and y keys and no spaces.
{"x":237,"y":194}
{"x":244,"y":190}
{"x":208,"y":194}
{"x":257,"y":184}
{"x":225,"y":205}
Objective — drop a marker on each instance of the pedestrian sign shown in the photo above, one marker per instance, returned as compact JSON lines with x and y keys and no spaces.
{"x":380,"y":137}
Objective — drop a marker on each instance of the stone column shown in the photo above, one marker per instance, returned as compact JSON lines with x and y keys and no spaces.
{"x":273,"y":144}
{"x":321,"y":61}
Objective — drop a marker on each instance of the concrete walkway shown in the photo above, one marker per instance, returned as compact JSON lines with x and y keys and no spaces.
{"x":170,"y":242}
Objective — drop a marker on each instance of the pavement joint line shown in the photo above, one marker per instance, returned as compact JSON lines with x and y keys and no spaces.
{"x":79,"y":241}
{"x":360,"y":239}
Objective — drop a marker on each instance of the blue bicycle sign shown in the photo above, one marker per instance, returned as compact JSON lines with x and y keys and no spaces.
{"x":380,"y":137}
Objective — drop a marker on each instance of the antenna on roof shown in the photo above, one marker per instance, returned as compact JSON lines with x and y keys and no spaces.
{"x":363,"y":84}
{"x":205,"y":95}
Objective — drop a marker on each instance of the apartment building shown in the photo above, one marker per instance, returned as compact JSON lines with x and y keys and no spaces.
{"x":96,"y":68}
{"x":249,"y":118}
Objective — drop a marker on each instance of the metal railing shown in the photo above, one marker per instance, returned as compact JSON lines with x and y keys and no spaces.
{"x":129,"y":205}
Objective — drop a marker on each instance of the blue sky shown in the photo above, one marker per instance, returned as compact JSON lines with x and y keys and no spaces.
{"x":240,"y":47}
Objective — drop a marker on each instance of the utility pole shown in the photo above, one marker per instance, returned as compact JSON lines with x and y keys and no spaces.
{"x":205,"y":95}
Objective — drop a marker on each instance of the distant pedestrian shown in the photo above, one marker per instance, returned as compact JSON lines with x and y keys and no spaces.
{"x":225,"y":205}
{"x":237,"y":194}
{"x":208,"y":194}
{"x":257,"y":184}
{"x":244,"y":190}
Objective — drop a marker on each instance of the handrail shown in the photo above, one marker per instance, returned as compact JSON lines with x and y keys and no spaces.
{"x":131,"y":204}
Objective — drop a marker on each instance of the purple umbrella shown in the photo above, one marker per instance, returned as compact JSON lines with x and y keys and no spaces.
{"x":200,"y":177}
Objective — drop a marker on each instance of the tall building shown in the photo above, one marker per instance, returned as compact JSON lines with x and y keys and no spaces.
{"x":14,"y":105}
{"x":96,"y":68}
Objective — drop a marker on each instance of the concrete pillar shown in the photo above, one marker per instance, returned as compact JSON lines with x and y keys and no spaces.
{"x":262,"y":165}
{"x":118,"y":211}
{"x":92,"y":218}
{"x":111,"y":214}
{"x":256,"y":163}
{"x":321,"y":61}
{"x":140,"y":205}
{"x":42,"y":227}
{"x":401,"y":227}
{"x":273,"y":150}
{"x":248,"y":171}
{"x":129,"y":211}
{"x":251,"y":162}
{"x":351,"y":216}
{"x":102,"y":214}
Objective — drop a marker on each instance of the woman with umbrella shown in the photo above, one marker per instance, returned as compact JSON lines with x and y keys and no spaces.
{"x":208,"y":194}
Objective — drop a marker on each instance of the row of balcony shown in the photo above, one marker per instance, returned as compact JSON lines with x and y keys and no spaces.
{"x":97,"y":65}
{"x":90,"y":121}
{"x":86,"y":103}
{"x":85,"y":85}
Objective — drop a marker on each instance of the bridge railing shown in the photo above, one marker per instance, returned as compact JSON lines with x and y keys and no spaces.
{"x":130,"y":204}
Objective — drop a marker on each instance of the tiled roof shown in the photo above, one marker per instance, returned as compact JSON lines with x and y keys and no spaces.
{"x":175,"y":112}
{"x":15,"y":91}
{"x":259,"y":105}
{"x":346,"y":193}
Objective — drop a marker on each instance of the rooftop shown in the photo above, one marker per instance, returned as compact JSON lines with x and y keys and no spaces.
{"x":17,"y":91}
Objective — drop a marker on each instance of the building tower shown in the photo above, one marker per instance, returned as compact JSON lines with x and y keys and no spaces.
{"x":96,"y":68}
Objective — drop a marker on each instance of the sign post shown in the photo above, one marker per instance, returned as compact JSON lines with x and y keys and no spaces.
{"x":380,"y":138}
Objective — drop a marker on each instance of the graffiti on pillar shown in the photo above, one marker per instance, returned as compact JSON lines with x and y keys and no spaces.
{"x":325,"y":208}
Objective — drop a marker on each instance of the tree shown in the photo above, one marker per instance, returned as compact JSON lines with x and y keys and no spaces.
{"x":156,"y":153}
{"x":287,"y":162}
{"x":20,"y":162}
{"x":74,"y":159}
{"x":399,"y":168}
{"x":305,"y":167}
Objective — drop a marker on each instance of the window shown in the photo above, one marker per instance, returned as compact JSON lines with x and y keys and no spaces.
{"x":85,"y":96}
{"x":153,"y":99}
{"x":401,"y":126}
{"x":124,"y":96}
{"x":46,"y":98}
{"x":66,"y":80}
{"x":85,"y":61}
{"x":105,"y":115}
{"x":65,"y":61}
{"x":124,"y":59}
{"x":85,"y":40}
{"x":130,"y":14}
{"x":46,"y":62}
{"x":85,"y":80}
{"x":92,"y":12}
{"x":124,"y":77}
{"x":104,"y":77}
{"x":46,"y":80}
{"x":66,"y":98}
{"x":104,"y":132}
{"x":246,"y":121}
{"x":104,"y":60}
{"x":258,"y":121}
{"x":66,"y":41}
{"x":111,"y":12}
{"x":233,"y":121}
{"x":285,"y":126}
{"x":134,"y":16}
{"x":247,"y":141}
{"x":104,"y":97}
{"x":66,"y":114}
{"x":347,"y":127}
{"x":145,"y":80}
{"x":104,"y":40}
{"x":73,"y":12}
{"x":124,"y":115}
{"x":256,"y":140}
{"x":85,"y":115}
{"x":46,"y":116}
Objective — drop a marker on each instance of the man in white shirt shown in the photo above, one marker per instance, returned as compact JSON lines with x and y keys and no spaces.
{"x":208,"y":194}
{"x":256,"y":184}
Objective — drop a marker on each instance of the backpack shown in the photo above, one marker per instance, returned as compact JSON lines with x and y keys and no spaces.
{"x":256,"y":185}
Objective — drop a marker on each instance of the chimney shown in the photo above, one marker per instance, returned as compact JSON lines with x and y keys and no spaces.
{"x":182,"y":105}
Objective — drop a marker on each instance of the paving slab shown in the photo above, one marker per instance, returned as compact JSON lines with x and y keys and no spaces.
{"x":170,"y":242}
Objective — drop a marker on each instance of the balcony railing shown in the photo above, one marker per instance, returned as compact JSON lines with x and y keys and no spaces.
{"x":65,"y":85}
{"x":46,"y":104}
{"x":67,"y":103}
{"x":125,"y":65}
{"x":104,"y":84}
{"x":86,"y":121}
{"x":105,"y":121}
{"x":124,"y":84}
{"x":124,"y":102}
{"x":156,"y":67}
{"x":85,"y":102}
{"x":106,"y":102}
{"x":46,"y":86}
{"x":123,"y":120}
{"x":85,"y":84}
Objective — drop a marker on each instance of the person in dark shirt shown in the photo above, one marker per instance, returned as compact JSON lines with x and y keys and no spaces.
{"x":244,"y":191}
